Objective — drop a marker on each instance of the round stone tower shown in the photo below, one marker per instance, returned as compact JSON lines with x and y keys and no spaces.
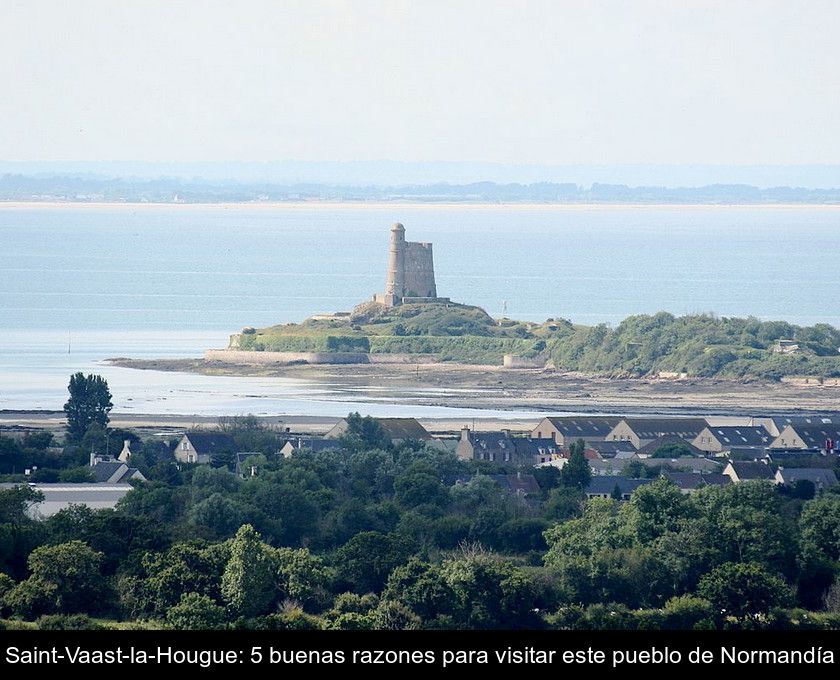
{"x":395,"y":283}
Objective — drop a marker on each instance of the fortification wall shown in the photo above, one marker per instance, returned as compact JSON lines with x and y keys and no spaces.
{"x":250,"y":358}
{"x":246,"y":358}
{"x":515,"y":361}
{"x":419,"y":270}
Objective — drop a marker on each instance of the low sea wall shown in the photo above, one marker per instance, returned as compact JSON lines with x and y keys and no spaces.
{"x":246,"y":358}
{"x":250,"y":358}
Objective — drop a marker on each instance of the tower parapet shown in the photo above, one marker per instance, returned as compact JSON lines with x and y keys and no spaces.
{"x":411,"y":272}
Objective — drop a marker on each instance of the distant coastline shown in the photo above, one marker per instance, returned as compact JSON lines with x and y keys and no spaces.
{"x":410,"y":205}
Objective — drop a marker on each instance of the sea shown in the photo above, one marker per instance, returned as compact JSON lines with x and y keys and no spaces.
{"x":82,"y":283}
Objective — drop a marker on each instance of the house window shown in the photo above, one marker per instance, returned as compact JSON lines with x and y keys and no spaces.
{"x":539,"y":435}
{"x":184,"y":446}
{"x":507,"y":456}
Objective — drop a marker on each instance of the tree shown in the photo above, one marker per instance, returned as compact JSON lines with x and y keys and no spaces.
{"x":364,"y":434}
{"x":89,"y":403}
{"x":576,"y":472}
{"x":658,"y":507}
{"x":743,"y":589}
{"x":367,"y":559}
{"x":65,"y":578}
{"x":249,"y":579}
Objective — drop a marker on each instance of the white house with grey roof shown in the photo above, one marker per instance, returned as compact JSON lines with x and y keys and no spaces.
{"x":566,"y":430}
{"x":642,"y":431}
{"x":721,"y":439}
{"x":821,"y":436}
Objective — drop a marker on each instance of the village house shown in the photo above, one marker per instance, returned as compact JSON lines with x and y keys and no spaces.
{"x":611,"y":486}
{"x":565,"y":430}
{"x":617,"y":449}
{"x":720,"y":440}
{"x":501,"y":447}
{"x":518,"y":484}
{"x":691,"y":482}
{"x":642,"y":431}
{"x":821,"y":478}
{"x":60,"y":496}
{"x":823,"y":436}
{"x":748,"y":471}
{"x":398,"y":430}
{"x":550,"y":456}
{"x":314,"y":444}
{"x":110,"y":471}
{"x":200,"y":447}
{"x":244,"y":463}
{"x":781,"y":422}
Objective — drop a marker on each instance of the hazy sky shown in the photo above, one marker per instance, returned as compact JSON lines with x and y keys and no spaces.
{"x":670,"y":81}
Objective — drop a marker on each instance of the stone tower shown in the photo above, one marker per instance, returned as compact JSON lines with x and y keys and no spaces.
{"x":395,"y":282}
{"x":411,"y":272}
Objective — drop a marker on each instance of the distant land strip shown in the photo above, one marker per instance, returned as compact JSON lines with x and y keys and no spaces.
{"x":86,"y":189}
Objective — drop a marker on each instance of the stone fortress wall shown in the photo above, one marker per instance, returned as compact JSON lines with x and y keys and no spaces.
{"x":419,"y":271}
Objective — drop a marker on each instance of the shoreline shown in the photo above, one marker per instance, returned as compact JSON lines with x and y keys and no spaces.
{"x":410,"y":205}
{"x":535,"y":390}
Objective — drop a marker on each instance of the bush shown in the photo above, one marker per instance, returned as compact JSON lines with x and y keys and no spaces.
{"x":67,"y":622}
{"x":195,"y":612}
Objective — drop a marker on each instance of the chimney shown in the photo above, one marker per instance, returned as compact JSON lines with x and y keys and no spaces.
{"x":92,"y":458}
{"x":465,"y":434}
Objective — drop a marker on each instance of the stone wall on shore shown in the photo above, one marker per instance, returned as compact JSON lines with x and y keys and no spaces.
{"x":250,"y":358}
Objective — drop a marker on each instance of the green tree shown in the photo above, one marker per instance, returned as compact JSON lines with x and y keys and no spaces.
{"x":367,"y":559}
{"x":249,"y":579}
{"x":490,"y":592}
{"x":576,"y":473}
{"x":743,"y":590}
{"x":195,"y":612}
{"x":89,"y":404}
{"x":656,"y":508}
{"x":421,"y":588}
{"x":364,"y":434}
{"x":65,"y":578}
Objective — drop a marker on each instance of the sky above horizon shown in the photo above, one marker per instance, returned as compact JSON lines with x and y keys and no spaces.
{"x":540,"y":82}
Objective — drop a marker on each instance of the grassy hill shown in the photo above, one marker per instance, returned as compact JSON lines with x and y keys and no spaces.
{"x":699,"y":345}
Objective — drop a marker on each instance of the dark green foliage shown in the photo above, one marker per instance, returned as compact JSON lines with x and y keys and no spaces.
{"x":576,"y":473}
{"x":195,"y":612}
{"x":700,"y":345}
{"x":65,"y":578}
{"x":424,"y":541}
{"x":89,"y":404}
{"x":366,"y":560}
{"x":364,"y":434}
{"x":743,"y":589}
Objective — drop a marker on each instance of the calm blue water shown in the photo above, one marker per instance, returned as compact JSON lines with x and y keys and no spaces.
{"x":171,"y":281}
{"x":221,"y":268}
